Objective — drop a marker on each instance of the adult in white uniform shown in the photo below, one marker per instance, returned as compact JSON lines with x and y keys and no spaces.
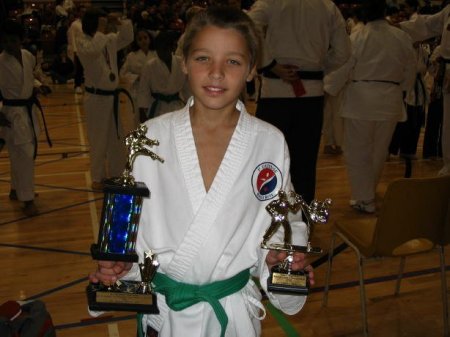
{"x":421,"y":28}
{"x":134,"y":62}
{"x":381,"y":67}
{"x":304,"y":39}
{"x":207,"y":217}
{"x":163,"y":85}
{"x":16,"y":84}
{"x":406,"y":134}
{"x":98,"y":54}
{"x":74,"y":32}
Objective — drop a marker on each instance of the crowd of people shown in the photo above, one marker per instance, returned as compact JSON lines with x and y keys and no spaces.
{"x":365,"y":77}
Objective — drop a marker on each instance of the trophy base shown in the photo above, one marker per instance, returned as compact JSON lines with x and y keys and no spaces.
{"x":286,"y":247}
{"x":100,"y":298}
{"x":289,"y":282}
{"x":101,"y":256}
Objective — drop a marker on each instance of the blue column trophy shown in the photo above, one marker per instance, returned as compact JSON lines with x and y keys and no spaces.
{"x":122,"y":205}
{"x":282,"y":278}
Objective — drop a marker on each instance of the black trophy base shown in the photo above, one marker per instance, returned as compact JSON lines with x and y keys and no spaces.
{"x":288,"y":282}
{"x":101,"y":256}
{"x":101,"y":298}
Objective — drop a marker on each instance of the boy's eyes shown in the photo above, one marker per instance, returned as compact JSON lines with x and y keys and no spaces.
{"x":206,"y":59}
{"x":234,"y":62}
{"x":201,"y":58}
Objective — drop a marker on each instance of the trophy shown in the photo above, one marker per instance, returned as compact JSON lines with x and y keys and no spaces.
{"x":282,"y":278}
{"x":122,"y":206}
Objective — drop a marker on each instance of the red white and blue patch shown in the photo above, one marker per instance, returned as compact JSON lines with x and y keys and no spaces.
{"x":266,"y":181}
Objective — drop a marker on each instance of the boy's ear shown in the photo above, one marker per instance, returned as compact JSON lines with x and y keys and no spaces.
{"x":251,"y":74}
{"x":184,"y":67}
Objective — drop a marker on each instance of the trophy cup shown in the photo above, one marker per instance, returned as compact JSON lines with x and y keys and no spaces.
{"x":122,"y":205}
{"x":282,"y":278}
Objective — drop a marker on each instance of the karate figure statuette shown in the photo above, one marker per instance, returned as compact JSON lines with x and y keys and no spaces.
{"x":282,"y":278}
{"x":122,"y":206}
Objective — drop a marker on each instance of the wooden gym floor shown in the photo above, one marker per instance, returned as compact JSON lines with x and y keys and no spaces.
{"x":47,"y":257}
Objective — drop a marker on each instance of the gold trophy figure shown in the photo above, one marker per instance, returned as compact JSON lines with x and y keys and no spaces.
{"x":122,"y":206}
{"x":282,"y":278}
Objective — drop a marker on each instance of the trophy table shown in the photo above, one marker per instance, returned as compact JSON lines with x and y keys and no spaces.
{"x":282,"y":278}
{"x":119,"y":224}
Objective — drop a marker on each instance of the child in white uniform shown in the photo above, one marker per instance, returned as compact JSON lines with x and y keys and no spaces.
{"x":163,"y":85}
{"x":207,"y":214}
{"x":134,"y":62}
{"x":19,"y":125}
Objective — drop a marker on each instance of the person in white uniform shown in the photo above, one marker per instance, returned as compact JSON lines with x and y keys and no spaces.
{"x":74,"y":32}
{"x":206,"y":217}
{"x":97,"y":51}
{"x":406,"y":134}
{"x":132,"y":68}
{"x":423,"y":27}
{"x":381,"y":68}
{"x":304,"y":40}
{"x":19,"y":125}
{"x":163,"y":86}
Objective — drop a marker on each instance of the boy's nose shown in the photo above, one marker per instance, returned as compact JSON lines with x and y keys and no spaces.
{"x":216,"y":71}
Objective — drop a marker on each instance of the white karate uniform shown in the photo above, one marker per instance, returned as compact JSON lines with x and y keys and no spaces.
{"x":16,"y":82}
{"x":423,"y":27}
{"x":105,"y":145}
{"x":371,"y":108}
{"x":309,"y":34}
{"x":202,"y":237}
{"x":156,"y":78}
{"x":131,"y":73}
{"x":74,"y":32}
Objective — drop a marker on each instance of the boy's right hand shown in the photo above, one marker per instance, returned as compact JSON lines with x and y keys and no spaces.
{"x":108,"y":272}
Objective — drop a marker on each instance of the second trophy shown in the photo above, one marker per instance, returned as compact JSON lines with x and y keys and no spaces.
{"x":282,"y":278}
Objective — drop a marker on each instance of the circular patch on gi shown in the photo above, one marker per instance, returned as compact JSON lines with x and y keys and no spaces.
{"x":266,"y":181}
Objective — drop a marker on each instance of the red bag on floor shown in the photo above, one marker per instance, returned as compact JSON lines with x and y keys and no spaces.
{"x":28,"y":320}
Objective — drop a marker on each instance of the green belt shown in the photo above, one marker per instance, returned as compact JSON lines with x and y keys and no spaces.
{"x":181,"y":295}
{"x":161,"y":97}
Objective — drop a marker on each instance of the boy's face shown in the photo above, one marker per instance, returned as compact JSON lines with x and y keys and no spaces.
{"x":11,"y":43}
{"x":218,"y":65}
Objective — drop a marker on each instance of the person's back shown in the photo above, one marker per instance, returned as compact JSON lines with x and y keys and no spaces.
{"x":315,"y":20}
{"x":382,"y":55}
{"x":304,"y":40}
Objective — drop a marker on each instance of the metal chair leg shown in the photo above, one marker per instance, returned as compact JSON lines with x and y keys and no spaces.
{"x":444,"y":291}
{"x":329,"y":266}
{"x":400,"y":275}
{"x":362,"y":293}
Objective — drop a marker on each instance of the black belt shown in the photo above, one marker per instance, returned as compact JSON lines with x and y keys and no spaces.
{"x":28,"y":103}
{"x":379,"y":81}
{"x":445,"y":60}
{"x":303,"y":74}
{"x":161,"y":97}
{"x":115,"y":93}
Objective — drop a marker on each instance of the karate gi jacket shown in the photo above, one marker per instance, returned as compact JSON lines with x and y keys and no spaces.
{"x":309,"y":34}
{"x":95,"y":52}
{"x":17,"y":82}
{"x":381,"y":67}
{"x":201,"y":237}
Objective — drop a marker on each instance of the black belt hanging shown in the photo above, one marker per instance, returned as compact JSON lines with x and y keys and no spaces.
{"x":116,"y":94}
{"x":161,"y":97}
{"x":28,"y":103}
{"x":378,"y":81}
{"x":303,"y":74}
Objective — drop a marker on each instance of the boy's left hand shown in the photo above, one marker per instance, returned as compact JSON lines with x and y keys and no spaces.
{"x":275,"y":257}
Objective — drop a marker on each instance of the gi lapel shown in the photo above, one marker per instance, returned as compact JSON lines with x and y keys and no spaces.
{"x":206,"y":206}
